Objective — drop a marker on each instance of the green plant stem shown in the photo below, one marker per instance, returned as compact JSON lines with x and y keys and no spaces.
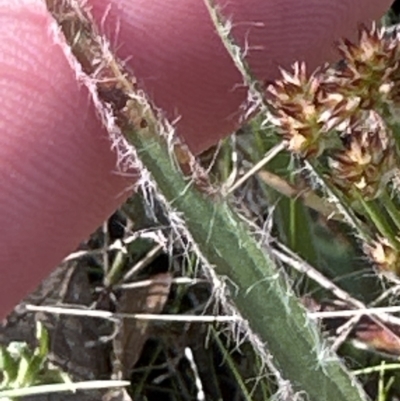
{"x":391,"y":208}
{"x":341,"y":204}
{"x":228,"y":360}
{"x":379,"y":220}
{"x":260,"y":293}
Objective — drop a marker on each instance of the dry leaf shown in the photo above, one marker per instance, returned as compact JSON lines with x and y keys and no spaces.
{"x":133,"y":334}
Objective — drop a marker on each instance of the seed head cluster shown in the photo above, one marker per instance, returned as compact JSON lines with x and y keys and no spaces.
{"x":340,"y":113}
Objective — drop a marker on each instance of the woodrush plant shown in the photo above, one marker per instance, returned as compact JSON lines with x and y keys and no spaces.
{"x":340,"y":123}
{"x":343,"y":122}
{"x":274,"y":319}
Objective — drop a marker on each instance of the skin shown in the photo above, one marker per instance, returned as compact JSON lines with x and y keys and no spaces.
{"x":58,"y":179}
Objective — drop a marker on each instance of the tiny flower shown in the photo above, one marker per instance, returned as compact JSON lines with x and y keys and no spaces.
{"x":304,"y":111}
{"x":367,"y":160}
{"x":384,"y":256}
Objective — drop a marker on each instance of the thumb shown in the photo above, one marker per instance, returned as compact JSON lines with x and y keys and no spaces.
{"x":58,"y":179}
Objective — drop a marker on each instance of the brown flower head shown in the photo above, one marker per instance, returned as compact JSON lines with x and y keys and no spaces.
{"x":367,"y":160}
{"x":305,"y":111}
{"x":370,"y":68}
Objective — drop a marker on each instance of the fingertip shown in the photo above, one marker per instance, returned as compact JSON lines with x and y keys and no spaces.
{"x":58,"y":175}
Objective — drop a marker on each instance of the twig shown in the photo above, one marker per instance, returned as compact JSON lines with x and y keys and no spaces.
{"x":102,"y":314}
